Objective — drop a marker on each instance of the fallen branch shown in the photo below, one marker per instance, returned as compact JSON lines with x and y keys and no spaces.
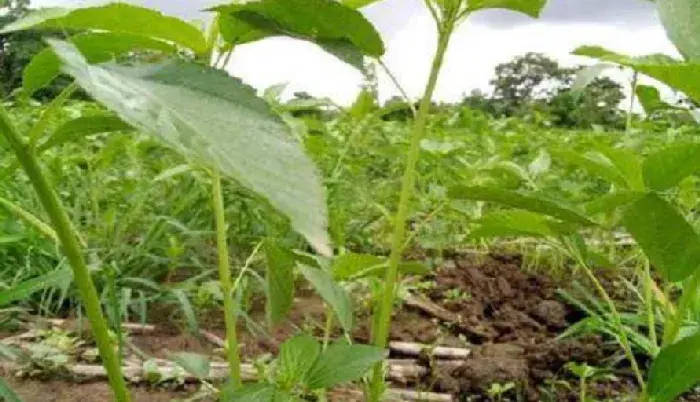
{"x":213,"y":339}
{"x":399,"y":371}
{"x":417,"y":349}
{"x":448,"y":317}
{"x":393,"y":395}
{"x":84,"y":325}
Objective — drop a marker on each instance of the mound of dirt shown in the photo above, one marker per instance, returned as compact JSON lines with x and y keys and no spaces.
{"x":513,"y":319}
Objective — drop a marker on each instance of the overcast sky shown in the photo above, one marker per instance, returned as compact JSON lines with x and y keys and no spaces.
{"x":486,"y":39}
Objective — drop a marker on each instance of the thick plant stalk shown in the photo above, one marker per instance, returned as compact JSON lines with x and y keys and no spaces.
{"x":73,"y":252}
{"x":232,"y":349}
{"x":382,"y":319}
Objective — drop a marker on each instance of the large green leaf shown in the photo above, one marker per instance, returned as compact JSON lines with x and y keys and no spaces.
{"x":23,"y":291}
{"x":532,"y":8}
{"x":83,"y":127}
{"x":665,"y":168}
{"x":320,"y":21}
{"x":297,"y":356}
{"x":332,"y":293}
{"x":97,"y":47}
{"x":680,"y":18}
{"x":678,"y":75}
{"x":518,"y":223}
{"x":667,"y":239}
{"x":280,"y":282}
{"x":675,"y":370}
{"x":213,"y":118}
{"x":342,"y":363}
{"x":529,"y":202}
{"x":116,"y":17}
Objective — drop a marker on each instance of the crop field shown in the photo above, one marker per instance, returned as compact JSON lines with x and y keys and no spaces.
{"x":169,"y":233}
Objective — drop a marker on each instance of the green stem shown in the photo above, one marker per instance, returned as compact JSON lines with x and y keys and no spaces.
{"x":648,"y":295}
{"x":383,"y":310}
{"x":230,"y":313}
{"x":73,"y":252}
{"x":674,"y":327}
{"x":624,"y":340}
{"x":582,"y":389}
{"x":328,"y":328}
{"x":633,"y":95}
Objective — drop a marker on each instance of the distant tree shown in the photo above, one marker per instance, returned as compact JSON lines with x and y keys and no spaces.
{"x":536,"y":84}
{"x":598,"y":104}
{"x":523,"y":80}
{"x":479,"y":100}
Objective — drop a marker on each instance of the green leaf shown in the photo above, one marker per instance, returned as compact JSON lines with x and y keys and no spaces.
{"x":518,"y":200}
{"x":358,"y":3}
{"x":517,"y":223}
{"x":680,"y":18}
{"x":675,"y":370}
{"x":628,"y":163}
{"x":348,"y":265}
{"x":23,"y":291}
{"x":318,"y":21}
{"x":665,"y":168}
{"x":666,"y":238}
{"x":332,"y":293}
{"x":351,"y":266}
{"x":211,"y":117}
{"x":172,"y":172}
{"x":187,"y":310}
{"x":650,"y":99}
{"x":6,"y":393}
{"x":297,"y":356}
{"x":364,"y":104}
{"x":541,"y":164}
{"x":342,"y":363}
{"x":678,"y":75}
{"x":612,"y":201}
{"x":117,"y":18}
{"x":588,"y":74}
{"x":83,"y":127}
{"x":97,"y":47}
{"x":533,"y":8}
{"x":250,"y":393}
{"x":596,"y":164}
{"x":280,"y":282}
{"x":195,"y":364}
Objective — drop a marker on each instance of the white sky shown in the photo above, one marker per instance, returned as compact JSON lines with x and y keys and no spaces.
{"x":409,"y":35}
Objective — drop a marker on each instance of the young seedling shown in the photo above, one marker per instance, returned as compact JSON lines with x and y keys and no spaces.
{"x":497,"y":391}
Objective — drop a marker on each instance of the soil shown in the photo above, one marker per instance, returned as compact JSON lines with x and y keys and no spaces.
{"x":60,"y":391}
{"x":510,"y":319}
